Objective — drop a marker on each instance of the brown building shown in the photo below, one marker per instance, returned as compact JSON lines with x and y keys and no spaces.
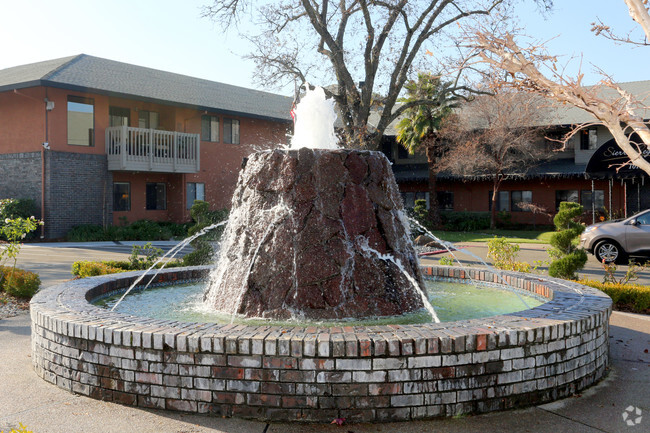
{"x":94,"y":141}
{"x":583,"y":172}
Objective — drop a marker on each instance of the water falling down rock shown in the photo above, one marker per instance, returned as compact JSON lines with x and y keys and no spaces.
{"x":316,"y":234}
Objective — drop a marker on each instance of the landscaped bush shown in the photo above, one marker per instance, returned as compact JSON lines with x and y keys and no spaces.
{"x":18,"y":282}
{"x":567,"y":258}
{"x":504,"y":255}
{"x":83,"y":269}
{"x":16,"y":208}
{"x":465,"y":221}
{"x":86,"y":233}
{"x":11,"y":208}
{"x":627,"y":297}
{"x":142,"y":230}
{"x":203,"y":217}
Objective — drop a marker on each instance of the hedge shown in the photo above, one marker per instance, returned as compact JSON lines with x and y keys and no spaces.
{"x":626,"y":297}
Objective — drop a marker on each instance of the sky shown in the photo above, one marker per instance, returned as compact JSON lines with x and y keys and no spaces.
{"x":172,"y":36}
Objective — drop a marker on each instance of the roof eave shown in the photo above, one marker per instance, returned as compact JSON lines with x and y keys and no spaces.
{"x":83,"y":89}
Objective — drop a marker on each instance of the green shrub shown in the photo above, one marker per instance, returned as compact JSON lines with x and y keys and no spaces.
{"x":465,"y":221}
{"x":142,"y":230}
{"x":204,"y":217}
{"x":504,"y":255}
{"x":567,"y":258}
{"x":16,"y":208}
{"x":202,"y":255}
{"x":628,"y":297}
{"x":446,"y":261}
{"x":18,"y":282}
{"x":86,"y":233}
{"x":83,"y":269}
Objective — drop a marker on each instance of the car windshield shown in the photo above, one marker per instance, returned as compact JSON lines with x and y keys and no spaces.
{"x":643,"y":219}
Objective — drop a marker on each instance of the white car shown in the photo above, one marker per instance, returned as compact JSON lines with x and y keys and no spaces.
{"x":615,"y":241}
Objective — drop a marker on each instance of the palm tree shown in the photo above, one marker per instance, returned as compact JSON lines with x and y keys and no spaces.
{"x":417,"y":129}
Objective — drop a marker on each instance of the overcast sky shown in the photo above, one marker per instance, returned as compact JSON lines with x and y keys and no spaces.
{"x":171,"y":36}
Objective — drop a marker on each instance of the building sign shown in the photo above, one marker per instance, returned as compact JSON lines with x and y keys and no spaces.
{"x":607,"y":161}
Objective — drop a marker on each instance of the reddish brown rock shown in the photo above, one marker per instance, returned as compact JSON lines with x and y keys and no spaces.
{"x":306,"y":233}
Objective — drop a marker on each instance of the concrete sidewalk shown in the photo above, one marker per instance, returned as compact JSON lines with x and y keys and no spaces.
{"x":42,"y":407}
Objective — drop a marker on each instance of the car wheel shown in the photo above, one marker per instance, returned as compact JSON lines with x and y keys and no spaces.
{"x":609,"y":252}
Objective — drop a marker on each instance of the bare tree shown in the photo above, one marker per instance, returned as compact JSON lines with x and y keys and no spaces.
{"x":619,"y":111}
{"x":367,"y":48}
{"x":494,"y":137}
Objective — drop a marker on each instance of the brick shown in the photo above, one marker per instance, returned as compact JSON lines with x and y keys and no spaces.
{"x":353,"y":364}
{"x":375,"y":389}
{"x":369,"y":376}
{"x":334,"y":377}
{"x":242,"y":385}
{"x":181,"y":405}
{"x":424,"y":361}
{"x":297,"y":376}
{"x":317,"y":364}
{"x":349,"y":389}
{"x":407,"y":400}
{"x":253,"y":361}
{"x":283,"y":362}
{"x":299,"y":401}
{"x":269,"y":400}
{"x":389,"y":363}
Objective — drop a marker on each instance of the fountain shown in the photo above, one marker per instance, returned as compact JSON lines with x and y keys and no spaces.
{"x":320,"y":235}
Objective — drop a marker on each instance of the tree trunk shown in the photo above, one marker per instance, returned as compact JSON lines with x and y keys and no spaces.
{"x":493,"y":214}
{"x":434,"y":210}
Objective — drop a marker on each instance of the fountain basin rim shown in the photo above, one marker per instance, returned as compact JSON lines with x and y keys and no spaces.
{"x":133,"y":360}
{"x":78,"y":295}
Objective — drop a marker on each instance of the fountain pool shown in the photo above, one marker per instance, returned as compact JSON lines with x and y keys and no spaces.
{"x":451,"y":300}
{"x":316,"y":374}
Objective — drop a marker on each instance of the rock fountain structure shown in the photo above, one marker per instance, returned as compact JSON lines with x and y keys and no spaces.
{"x":317,"y":234}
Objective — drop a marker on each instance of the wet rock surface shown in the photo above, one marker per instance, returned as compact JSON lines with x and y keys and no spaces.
{"x":309,"y":235}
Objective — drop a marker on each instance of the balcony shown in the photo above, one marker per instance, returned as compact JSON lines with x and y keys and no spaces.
{"x":139,"y":149}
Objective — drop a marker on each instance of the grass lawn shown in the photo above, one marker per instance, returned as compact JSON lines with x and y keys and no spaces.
{"x":515,"y":236}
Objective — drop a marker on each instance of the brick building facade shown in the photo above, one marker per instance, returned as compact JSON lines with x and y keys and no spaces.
{"x":94,"y":141}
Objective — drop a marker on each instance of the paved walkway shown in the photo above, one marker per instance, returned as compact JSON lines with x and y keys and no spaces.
{"x":42,"y":407}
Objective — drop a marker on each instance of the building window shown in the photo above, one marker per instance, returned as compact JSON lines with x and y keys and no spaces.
{"x":588,"y":139}
{"x":195,"y":191}
{"x":445,"y":200}
{"x":118,"y":116}
{"x":156,"y":196}
{"x":210,"y":128}
{"x":519,"y":199}
{"x":503,"y":201}
{"x":598,"y":199}
{"x":148,"y":119}
{"x":231,"y":131}
{"x":409,"y":198}
{"x":121,"y":196}
{"x":81,"y":121}
{"x":565,"y":195}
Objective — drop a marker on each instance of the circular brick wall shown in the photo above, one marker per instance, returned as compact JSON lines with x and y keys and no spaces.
{"x":373,"y":373}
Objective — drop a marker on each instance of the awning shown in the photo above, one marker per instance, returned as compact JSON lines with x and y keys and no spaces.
{"x":607,"y":161}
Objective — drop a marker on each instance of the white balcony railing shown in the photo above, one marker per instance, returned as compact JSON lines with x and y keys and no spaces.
{"x":139,"y":149}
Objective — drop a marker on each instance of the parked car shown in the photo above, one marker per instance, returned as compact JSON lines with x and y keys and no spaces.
{"x":615,"y":241}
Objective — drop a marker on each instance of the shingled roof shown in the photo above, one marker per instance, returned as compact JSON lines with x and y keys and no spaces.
{"x":97,"y":75}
